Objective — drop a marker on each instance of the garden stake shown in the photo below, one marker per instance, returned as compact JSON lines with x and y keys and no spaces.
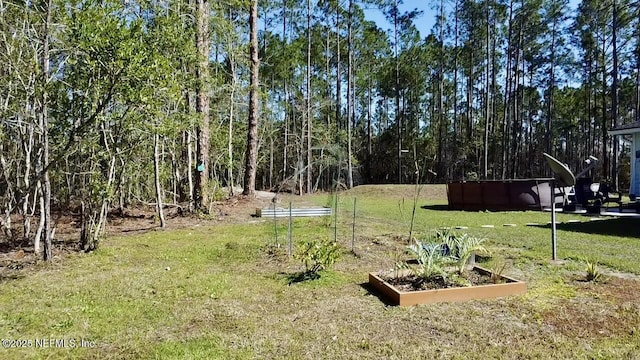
{"x":335,"y":220}
{"x":553,"y":221}
{"x":275,"y":225}
{"x":353,"y":229}
{"x":290,"y":249}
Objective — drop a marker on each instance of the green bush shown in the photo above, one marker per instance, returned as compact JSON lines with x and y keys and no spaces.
{"x":318,"y":255}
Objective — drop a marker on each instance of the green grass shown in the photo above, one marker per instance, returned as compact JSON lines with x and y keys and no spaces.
{"x":614,"y":242}
{"x":214,"y":292}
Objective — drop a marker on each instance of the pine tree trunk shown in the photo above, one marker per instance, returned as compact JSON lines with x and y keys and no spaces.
{"x":614,"y":94}
{"x":308,"y":95}
{"x":285,"y":146}
{"x":551,"y":90}
{"x":369,"y":130}
{"x":516,"y":127}
{"x":637,"y":102}
{"x":604,"y":125}
{"x":469,"y":107}
{"x":350,"y":97}
{"x":252,"y":131}
{"x":459,"y":139}
{"x":507,"y":95}
{"x":232,"y":66}
{"x":591,"y":134}
{"x":493,"y":102}
{"x":441,"y":119}
{"x":397,"y":89}
{"x":338,"y":72}
{"x":202,"y":105}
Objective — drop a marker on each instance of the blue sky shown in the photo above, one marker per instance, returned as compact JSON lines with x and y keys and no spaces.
{"x":424,"y":23}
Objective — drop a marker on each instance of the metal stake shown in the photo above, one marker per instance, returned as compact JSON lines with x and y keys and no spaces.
{"x":353,"y":229}
{"x":335,"y":220}
{"x":290,"y":249}
{"x":553,"y":221}
{"x":275,"y":224}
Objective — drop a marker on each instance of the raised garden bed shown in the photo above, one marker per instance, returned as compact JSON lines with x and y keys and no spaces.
{"x":504,"y":286}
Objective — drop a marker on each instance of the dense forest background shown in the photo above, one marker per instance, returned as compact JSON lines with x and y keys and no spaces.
{"x":108,"y":104}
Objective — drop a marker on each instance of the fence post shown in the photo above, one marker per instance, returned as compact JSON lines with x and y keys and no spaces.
{"x":275,"y":225}
{"x":290,"y":249}
{"x":553,"y":221}
{"x":335,"y":220}
{"x":353,"y":229}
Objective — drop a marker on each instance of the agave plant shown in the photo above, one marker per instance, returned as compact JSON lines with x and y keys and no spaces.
{"x":462,"y":247}
{"x":430,"y":259}
{"x":593,"y":272}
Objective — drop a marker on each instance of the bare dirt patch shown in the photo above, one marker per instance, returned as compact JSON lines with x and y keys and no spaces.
{"x":600,"y":309}
{"x":615,"y":289}
{"x":17,"y":254}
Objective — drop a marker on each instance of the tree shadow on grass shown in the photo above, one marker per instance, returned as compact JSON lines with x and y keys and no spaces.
{"x":11,"y":276}
{"x":301,"y":276}
{"x":614,"y":227}
{"x":141,"y":229}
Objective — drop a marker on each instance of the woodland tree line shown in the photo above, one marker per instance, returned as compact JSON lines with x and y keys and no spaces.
{"x":109,"y":104}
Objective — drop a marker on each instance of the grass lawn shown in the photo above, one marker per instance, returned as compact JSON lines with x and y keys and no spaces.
{"x":222,"y":291}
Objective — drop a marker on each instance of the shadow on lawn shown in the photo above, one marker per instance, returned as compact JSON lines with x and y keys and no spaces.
{"x":614,"y":226}
{"x":299,"y":277}
{"x":372,"y":292}
{"x":438,"y":207}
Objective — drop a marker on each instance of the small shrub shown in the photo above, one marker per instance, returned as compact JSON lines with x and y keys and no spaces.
{"x":496,"y":272}
{"x":593,"y":272}
{"x":318,"y":255}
